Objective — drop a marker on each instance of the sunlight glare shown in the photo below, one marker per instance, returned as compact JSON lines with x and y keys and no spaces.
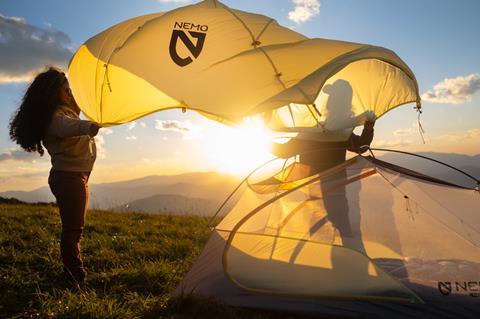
{"x":239,"y":150}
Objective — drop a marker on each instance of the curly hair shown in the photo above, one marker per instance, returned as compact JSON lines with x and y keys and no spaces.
{"x":42,"y":98}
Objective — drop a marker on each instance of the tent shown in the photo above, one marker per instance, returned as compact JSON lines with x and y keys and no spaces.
{"x":229,"y":64}
{"x":363,"y":239}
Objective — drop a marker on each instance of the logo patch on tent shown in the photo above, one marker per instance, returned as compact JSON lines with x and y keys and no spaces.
{"x":445,"y":288}
{"x":466,"y":287}
{"x":195,"y":31}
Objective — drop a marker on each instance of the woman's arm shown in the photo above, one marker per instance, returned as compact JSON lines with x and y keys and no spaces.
{"x":63,"y":127}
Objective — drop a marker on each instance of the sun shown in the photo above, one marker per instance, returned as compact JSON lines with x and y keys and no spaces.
{"x":239,"y":150}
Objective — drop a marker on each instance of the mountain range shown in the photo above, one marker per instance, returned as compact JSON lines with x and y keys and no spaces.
{"x":167,"y":204}
{"x":466,"y":163}
{"x":202,"y":193}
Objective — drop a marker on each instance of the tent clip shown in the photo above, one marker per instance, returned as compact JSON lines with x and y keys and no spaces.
{"x":408,"y":208}
{"x":256,"y":43}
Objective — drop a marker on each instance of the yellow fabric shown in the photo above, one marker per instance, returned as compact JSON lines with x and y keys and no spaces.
{"x":288,"y":266}
{"x":116,"y":108}
{"x":248,"y":65}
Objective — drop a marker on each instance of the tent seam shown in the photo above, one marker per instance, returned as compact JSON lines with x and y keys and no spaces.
{"x":242,"y":22}
{"x":277,"y":73}
{"x":264,"y":29}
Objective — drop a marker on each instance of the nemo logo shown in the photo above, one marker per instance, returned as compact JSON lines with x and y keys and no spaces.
{"x":464,"y":287}
{"x":196,"y":31}
{"x":445,"y":287}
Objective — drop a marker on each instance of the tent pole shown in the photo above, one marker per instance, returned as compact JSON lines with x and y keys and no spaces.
{"x":430,"y":159}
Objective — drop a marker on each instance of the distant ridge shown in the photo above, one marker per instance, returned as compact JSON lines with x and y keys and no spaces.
{"x":207,"y":189}
{"x":198,"y":187}
{"x":171,"y":204}
{"x":15,"y":201}
{"x":470,"y":164}
{"x":10,"y":201}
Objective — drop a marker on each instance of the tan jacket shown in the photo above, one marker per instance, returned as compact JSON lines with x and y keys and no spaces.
{"x":68,"y":143}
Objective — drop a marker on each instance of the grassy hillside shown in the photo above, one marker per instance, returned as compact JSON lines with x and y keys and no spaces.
{"x":133,"y":262}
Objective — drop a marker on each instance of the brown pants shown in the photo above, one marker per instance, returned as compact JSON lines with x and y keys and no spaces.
{"x":71,"y":191}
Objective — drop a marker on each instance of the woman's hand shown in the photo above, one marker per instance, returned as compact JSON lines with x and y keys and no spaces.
{"x":94,"y":127}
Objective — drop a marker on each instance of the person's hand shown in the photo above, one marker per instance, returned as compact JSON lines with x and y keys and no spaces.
{"x":370,"y":115}
{"x":370,"y":121}
{"x":369,"y":125}
{"x":94,"y":127}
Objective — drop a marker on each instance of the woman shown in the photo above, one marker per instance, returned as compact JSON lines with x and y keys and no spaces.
{"x":323,"y":155}
{"x":326,"y":149}
{"x":49,"y":115}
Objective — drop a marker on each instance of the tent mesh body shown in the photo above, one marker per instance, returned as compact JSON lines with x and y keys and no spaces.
{"x":364,"y":238}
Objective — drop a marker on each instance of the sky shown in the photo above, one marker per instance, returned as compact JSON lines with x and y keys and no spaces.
{"x":440,"y":42}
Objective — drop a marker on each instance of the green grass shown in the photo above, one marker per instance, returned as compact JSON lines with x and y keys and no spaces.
{"x":133,"y":261}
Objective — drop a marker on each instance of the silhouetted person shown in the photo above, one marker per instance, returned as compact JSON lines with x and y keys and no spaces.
{"x":326,"y":149}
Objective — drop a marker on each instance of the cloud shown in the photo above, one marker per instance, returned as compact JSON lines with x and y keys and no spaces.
{"x":455,"y":90}
{"x":25,"y":49}
{"x":463,"y":136}
{"x":304,"y":10}
{"x":131,"y":125}
{"x":186,"y":128}
{"x":473,"y":133}
{"x":403,"y":131}
{"x":19,"y":155}
{"x":173,"y":125}
{"x":106,"y":131}
{"x":100,"y":142}
{"x":392,"y":143}
{"x":152,"y":161}
{"x":143,"y":124}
